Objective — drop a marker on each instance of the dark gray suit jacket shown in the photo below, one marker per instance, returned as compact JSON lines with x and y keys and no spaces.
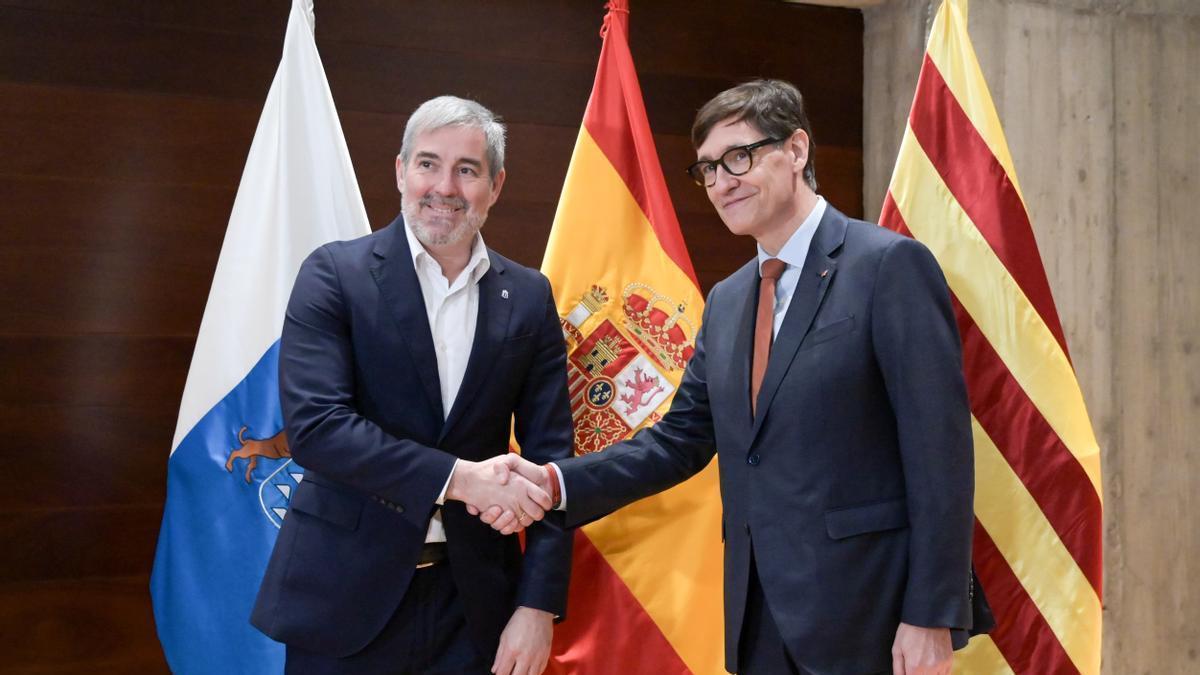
{"x":854,"y":483}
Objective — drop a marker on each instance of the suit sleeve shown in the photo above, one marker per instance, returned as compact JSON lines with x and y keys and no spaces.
{"x":544,"y":430}
{"x":316,"y":387}
{"x":917,"y":344}
{"x":679,"y":446}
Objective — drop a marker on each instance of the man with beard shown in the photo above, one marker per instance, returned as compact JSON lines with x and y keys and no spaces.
{"x":405,"y":356}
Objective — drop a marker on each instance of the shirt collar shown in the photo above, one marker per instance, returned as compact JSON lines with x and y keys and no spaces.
{"x":796,"y":249}
{"x":477,"y":266}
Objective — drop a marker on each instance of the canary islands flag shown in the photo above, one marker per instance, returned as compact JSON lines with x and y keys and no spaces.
{"x":230,"y":475}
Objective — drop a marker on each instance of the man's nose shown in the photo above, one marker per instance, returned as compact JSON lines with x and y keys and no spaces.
{"x":724,"y":179}
{"x":447,"y":183}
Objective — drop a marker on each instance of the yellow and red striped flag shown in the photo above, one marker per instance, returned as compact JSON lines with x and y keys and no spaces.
{"x":646,"y":585}
{"x":1037,"y":464}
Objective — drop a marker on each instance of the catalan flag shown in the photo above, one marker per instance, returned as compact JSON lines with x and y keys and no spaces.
{"x":647,"y":579}
{"x":1037,"y":464}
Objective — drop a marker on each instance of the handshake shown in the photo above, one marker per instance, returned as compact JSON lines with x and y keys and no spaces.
{"x":507,"y":492}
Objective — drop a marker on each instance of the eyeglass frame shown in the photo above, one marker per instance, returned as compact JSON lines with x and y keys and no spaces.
{"x":720,"y":161}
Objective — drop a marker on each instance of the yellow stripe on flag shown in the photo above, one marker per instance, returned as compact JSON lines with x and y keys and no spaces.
{"x":1038,"y":558}
{"x":609,"y":239}
{"x":995,"y":301}
{"x":955,"y":59}
{"x":981,"y":657}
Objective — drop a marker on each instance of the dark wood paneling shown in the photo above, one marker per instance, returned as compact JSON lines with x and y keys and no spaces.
{"x":111,"y":257}
{"x":78,"y":626}
{"x":39,"y":46}
{"x":94,"y":370}
{"x":75,"y":49}
{"x":121,"y":137}
{"x":728,"y":40}
{"x":77,"y":543}
{"x":124,"y":128}
{"x":75,"y":456}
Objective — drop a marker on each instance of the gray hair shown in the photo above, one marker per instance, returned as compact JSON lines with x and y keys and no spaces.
{"x":452,"y":111}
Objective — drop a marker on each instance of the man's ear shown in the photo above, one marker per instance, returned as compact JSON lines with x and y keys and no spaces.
{"x":799,"y":144}
{"x":399,"y":174}
{"x":497,"y":184}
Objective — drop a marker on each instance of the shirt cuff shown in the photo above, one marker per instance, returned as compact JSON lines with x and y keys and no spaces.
{"x":562,"y":487}
{"x":441,"y":498}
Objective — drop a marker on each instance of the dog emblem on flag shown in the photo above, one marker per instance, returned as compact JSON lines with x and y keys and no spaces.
{"x":275,"y":490}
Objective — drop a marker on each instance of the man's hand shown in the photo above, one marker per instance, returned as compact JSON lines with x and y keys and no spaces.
{"x":481,"y":485}
{"x":921,"y":651}
{"x":513,"y":465}
{"x":538,"y":474}
{"x":525,"y":643}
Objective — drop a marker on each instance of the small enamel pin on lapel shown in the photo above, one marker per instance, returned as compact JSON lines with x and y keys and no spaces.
{"x":823,"y":273}
{"x":504,"y":293}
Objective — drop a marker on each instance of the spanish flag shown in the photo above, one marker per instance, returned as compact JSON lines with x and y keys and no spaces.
{"x":646,"y":586}
{"x":1037,"y":464}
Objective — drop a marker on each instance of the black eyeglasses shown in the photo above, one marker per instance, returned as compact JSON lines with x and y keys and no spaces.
{"x":736,"y":161}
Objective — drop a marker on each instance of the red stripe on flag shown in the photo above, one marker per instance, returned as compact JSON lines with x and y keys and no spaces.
{"x":1021,"y":633}
{"x":616,"y":119}
{"x":627,"y":640}
{"x":1054,"y":478}
{"x":982,"y":187}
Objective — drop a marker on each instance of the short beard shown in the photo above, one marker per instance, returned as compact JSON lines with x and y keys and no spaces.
{"x":429,"y":237}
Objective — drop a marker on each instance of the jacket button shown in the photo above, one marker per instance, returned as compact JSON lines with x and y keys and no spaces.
{"x":747,"y":528}
{"x":752,"y":460}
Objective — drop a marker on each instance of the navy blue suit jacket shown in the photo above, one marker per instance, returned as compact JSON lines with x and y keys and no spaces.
{"x":363,"y":412}
{"x":854,"y":482}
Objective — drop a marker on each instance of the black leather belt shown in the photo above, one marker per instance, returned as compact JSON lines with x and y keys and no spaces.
{"x":432,"y":553}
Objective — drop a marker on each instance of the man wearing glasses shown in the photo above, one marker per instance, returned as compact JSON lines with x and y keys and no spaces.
{"x":827,"y":379}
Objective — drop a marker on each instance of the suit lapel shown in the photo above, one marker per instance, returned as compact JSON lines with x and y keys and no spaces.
{"x":491,"y":329}
{"x":393,"y":272}
{"x":815,"y":277}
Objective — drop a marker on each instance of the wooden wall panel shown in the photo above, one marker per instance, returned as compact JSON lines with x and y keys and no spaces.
{"x":84,"y":456}
{"x":84,"y":626}
{"x":124,"y":127}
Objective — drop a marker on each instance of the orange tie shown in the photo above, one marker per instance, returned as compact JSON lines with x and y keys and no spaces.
{"x":764,"y":325}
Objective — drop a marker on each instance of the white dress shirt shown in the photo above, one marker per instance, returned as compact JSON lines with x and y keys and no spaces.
{"x":452,"y":309}
{"x":794,"y":252}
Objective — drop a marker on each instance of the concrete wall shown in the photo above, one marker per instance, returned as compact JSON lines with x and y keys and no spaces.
{"x":1099,"y":100}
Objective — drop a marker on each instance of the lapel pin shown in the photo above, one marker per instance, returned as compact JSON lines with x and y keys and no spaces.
{"x":504,"y":293}
{"x":823,"y":273}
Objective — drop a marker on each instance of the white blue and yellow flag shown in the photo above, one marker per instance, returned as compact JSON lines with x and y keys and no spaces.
{"x":230,"y":473}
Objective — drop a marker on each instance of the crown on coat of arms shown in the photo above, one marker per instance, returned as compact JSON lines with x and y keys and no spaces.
{"x":594,"y":299}
{"x":659,"y":324}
